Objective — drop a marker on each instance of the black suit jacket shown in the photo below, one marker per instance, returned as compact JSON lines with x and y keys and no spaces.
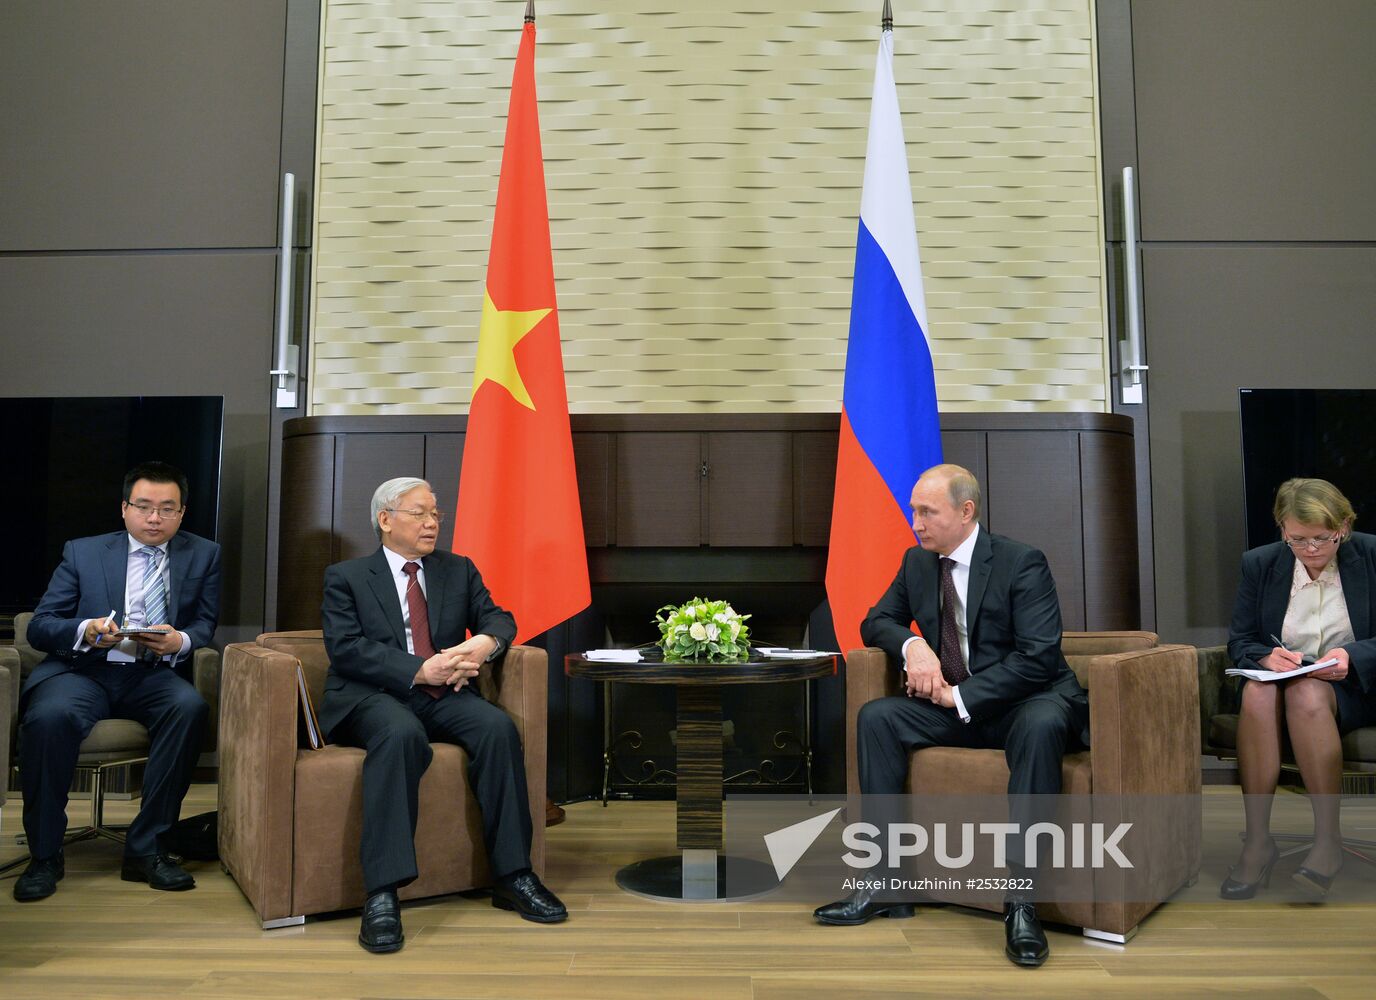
{"x":1013,"y":619}
{"x":366,"y":638}
{"x":1263,"y":596}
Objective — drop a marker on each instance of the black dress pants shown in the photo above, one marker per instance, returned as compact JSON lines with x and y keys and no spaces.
{"x":61,"y":712}
{"x":396,"y":736}
{"x":1034,"y":735}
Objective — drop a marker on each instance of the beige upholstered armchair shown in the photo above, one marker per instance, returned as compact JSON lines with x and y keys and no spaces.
{"x":1220,"y":699}
{"x":9,"y":699}
{"x":291,"y":817}
{"x":1144,"y":734}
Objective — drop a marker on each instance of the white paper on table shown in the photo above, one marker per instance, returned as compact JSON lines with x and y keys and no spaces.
{"x":1277,"y":675}
{"x":784,"y":653}
{"x":613,"y":655}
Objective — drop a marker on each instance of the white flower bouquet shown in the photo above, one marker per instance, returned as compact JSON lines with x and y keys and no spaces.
{"x":702,"y":630}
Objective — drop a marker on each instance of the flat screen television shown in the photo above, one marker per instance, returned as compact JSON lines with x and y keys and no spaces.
{"x":1316,"y":433}
{"x":65,"y":460}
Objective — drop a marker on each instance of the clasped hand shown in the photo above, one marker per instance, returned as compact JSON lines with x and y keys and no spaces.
{"x":922,"y":676}
{"x":457,"y":665}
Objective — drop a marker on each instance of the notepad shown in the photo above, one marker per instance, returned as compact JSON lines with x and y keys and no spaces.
{"x":309,"y":725}
{"x":1278,"y":675}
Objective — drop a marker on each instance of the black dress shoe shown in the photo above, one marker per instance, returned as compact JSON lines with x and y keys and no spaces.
{"x":381,"y":931}
{"x":40,"y":878}
{"x":159,"y":871}
{"x":1024,"y":940}
{"x":858,"y":908}
{"x":528,"y":896}
{"x":1231,"y":888}
{"x":1306,"y":878}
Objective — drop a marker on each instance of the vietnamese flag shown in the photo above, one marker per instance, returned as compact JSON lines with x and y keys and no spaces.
{"x":518,"y":514}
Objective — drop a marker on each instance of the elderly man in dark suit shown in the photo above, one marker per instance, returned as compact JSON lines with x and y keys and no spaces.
{"x":164,"y":581}
{"x":402,"y":674}
{"x":986,"y":671}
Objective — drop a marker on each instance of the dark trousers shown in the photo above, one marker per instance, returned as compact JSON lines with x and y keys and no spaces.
{"x":397,"y":736}
{"x":1034,"y":735}
{"x":61,"y":712}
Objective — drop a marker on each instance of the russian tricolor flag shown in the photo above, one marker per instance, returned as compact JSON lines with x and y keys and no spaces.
{"x":889,"y":429}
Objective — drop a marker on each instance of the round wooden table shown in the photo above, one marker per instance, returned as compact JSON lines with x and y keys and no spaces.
{"x":699,"y":871}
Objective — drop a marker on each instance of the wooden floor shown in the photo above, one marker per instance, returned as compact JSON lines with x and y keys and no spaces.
{"x":101,"y":937}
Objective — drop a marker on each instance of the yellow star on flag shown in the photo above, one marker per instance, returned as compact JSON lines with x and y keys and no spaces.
{"x":501,"y":330}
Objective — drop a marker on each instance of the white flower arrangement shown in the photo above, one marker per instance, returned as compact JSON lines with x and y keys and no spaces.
{"x":702,"y":630}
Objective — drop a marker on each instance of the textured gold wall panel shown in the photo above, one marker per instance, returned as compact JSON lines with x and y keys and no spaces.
{"x":704,"y":168}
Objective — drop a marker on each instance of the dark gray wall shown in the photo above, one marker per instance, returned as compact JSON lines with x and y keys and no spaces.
{"x":1250,"y":124}
{"x":143,"y":146}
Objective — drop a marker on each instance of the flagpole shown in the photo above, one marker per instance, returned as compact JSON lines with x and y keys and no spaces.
{"x":885,"y":23}
{"x":530,"y":11}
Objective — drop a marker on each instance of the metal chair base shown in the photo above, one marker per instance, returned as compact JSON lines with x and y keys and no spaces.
{"x":1295,"y":843}
{"x":97,"y":827}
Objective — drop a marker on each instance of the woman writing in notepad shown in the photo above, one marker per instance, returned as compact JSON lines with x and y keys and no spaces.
{"x":1315,"y":589}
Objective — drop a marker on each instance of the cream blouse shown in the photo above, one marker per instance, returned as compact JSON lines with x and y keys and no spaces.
{"x":1316,"y":619}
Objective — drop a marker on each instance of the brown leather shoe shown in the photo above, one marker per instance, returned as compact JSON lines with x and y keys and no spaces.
{"x":554,"y":814}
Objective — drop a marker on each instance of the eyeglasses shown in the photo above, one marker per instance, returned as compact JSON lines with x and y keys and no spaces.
{"x":418,"y":515}
{"x":164,"y":510}
{"x":1312,"y":544}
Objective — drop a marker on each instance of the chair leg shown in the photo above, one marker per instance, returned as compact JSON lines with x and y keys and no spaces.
{"x":1110,"y":936}
{"x":92,"y":829}
{"x":281,"y":922}
{"x":115,"y":833}
{"x":1362,"y":850}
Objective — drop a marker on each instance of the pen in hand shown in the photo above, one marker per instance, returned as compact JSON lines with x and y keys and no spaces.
{"x":104,"y":625}
{"x":1282,"y":646}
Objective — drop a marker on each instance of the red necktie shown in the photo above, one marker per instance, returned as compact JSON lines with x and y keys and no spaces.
{"x":952,"y":663}
{"x":420,"y":625}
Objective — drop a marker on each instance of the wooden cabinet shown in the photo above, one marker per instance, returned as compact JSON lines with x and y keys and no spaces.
{"x":674,"y":500}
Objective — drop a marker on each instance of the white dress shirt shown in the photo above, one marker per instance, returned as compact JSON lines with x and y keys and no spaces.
{"x":398,"y":562}
{"x":127,"y":650}
{"x":399,"y":578}
{"x":960,"y":576}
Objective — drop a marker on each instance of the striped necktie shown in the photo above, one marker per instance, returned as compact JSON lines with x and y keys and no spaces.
{"x":154,"y":590}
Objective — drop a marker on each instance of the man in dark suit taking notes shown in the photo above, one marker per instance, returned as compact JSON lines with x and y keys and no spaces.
{"x":986,"y":671}
{"x":401,"y":674}
{"x":147,"y":575}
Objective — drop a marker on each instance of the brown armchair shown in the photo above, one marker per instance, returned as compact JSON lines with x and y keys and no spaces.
{"x":1144,"y":733}
{"x":291,"y":818}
